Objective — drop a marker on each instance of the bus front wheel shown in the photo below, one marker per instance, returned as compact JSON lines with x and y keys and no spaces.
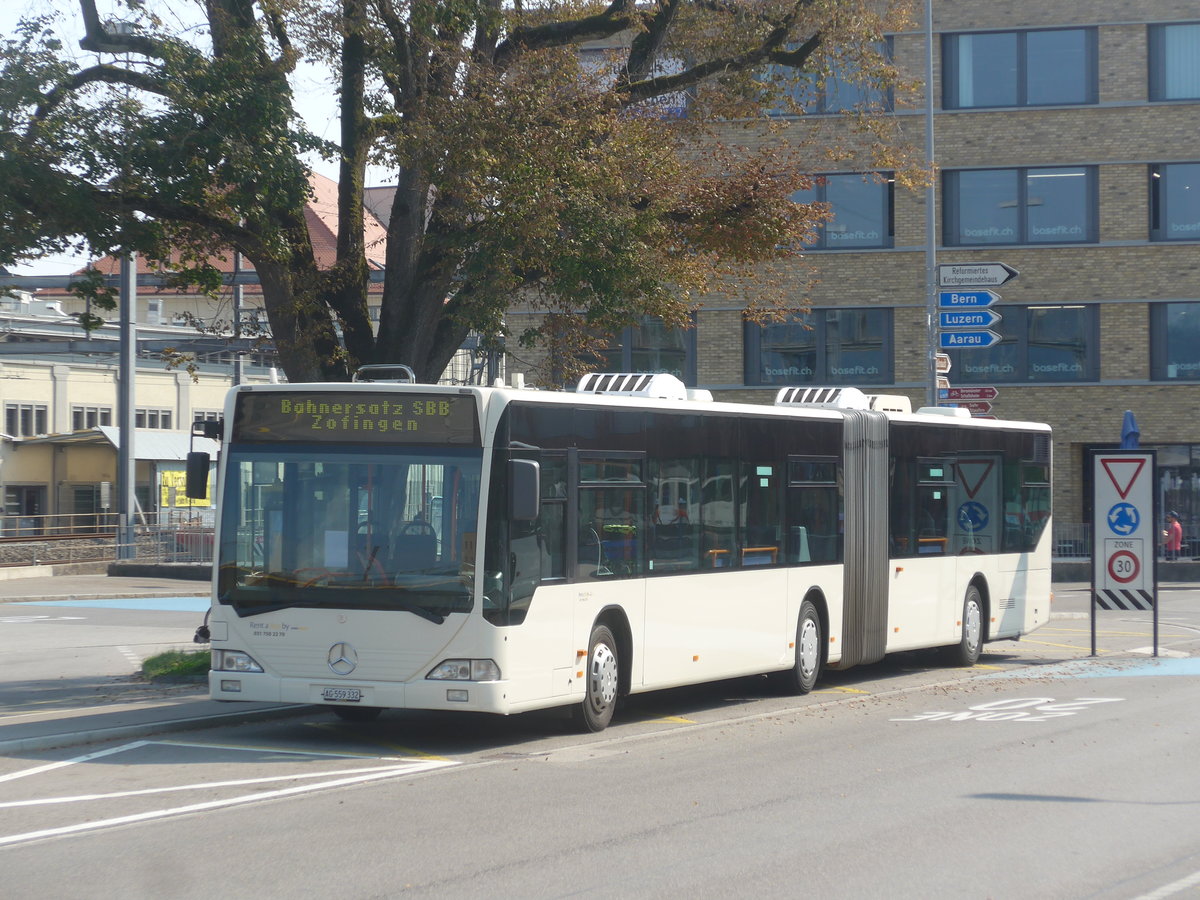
{"x":970,"y":645}
{"x":601,"y":681}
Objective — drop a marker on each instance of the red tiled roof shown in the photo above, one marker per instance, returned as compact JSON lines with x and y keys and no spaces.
{"x":322,"y":217}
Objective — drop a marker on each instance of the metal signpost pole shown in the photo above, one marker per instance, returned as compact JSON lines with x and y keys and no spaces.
{"x":931,"y":285}
{"x":126,"y":466}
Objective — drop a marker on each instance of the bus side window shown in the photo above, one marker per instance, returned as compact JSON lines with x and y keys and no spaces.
{"x":760,"y":513}
{"x":611,"y":532}
{"x":674,"y":518}
{"x":814,"y":510}
{"x":716,"y":514}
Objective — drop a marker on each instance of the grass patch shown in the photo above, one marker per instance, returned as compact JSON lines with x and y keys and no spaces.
{"x":177,"y":664}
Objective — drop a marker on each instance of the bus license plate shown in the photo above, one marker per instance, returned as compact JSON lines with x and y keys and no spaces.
{"x":344,"y":695}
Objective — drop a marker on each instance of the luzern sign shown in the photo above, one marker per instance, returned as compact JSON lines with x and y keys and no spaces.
{"x":1124,"y":533}
{"x":355,"y":417}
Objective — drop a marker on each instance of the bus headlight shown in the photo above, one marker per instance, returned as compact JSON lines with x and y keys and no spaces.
{"x":465,"y":670}
{"x":234,"y":661}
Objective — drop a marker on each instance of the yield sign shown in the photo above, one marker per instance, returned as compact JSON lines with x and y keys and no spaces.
{"x":973,"y":481}
{"x":1123,"y":472}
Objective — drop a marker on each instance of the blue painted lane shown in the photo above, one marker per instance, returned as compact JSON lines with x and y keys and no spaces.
{"x":1109,"y":668}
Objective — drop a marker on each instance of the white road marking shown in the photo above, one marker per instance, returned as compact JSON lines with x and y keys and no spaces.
{"x":351,"y":777}
{"x":390,"y":772}
{"x":50,"y":767}
{"x":203,"y":785}
{"x":1173,"y":888}
{"x":131,"y":656}
{"x":266,"y":749}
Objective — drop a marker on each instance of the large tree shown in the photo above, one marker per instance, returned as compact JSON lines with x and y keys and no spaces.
{"x":537,"y":150}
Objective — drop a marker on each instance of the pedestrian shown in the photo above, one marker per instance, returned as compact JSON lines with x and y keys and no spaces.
{"x":1173,"y":536}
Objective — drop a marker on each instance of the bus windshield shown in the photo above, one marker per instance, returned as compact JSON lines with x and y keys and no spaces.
{"x":349,"y":528}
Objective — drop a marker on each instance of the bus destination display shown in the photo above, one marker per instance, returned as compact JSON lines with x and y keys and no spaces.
{"x":355,"y":417}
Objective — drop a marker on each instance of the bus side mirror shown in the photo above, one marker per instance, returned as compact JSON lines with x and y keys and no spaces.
{"x":196,"y":486}
{"x":524,"y":489}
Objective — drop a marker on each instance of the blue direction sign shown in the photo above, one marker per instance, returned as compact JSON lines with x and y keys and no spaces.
{"x":967,"y":340}
{"x":967,"y":318}
{"x":966,"y":299}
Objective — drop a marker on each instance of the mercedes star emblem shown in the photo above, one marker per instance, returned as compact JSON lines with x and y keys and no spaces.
{"x":342,"y":658}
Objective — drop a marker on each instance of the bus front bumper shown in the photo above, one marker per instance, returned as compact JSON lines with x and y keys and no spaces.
{"x":489,"y":696}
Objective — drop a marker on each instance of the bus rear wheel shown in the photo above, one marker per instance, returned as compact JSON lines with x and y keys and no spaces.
{"x":970,"y":645}
{"x":601,"y":679}
{"x":810,"y":643}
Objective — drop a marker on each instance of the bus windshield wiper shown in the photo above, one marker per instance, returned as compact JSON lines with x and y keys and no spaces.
{"x":423,"y":612}
{"x":370,"y":562}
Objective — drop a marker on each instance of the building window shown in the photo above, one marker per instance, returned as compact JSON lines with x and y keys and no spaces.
{"x":83,"y":417}
{"x":1039,"y":344}
{"x":152,"y":418}
{"x":1020,"y":68}
{"x":653,"y":347}
{"x":1175,"y":61}
{"x":826,"y":346}
{"x":1175,"y":341}
{"x":1175,"y":202}
{"x":1021,"y":206}
{"x":837,"y":91}
{"x":206,"y":415}
{"x":26,"y":419}
{"x":862,"y":210}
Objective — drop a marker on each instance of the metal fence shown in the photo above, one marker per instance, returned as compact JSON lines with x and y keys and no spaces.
{"x":1073,"y":540}
{"x":187,"y":537}
{"x":173,"y":537}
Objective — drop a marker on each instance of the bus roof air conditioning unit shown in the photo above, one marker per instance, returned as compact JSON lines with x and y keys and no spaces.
{"x":659,"y":386}
{"x":394,"y":373}
{"x":828,"y":397}
{"x":896,"y":403}
{"x":953,"y":412}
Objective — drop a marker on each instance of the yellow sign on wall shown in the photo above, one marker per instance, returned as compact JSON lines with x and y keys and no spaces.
{"x":172,"y":483}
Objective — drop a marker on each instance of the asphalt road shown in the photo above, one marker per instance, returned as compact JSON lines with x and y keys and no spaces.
{"x":1040,"y":773}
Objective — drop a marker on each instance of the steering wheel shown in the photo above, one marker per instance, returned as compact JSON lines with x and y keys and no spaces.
{"x":418,"y":526}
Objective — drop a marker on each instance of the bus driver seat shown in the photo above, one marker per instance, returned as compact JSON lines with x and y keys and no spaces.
{"x":415,"y":549}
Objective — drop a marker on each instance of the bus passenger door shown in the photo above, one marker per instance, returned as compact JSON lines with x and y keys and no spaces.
{"x":609,"y":510}
{"x":977,"y":517}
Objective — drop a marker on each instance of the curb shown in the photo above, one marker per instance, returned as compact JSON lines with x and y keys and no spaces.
{"x":141,"y":729}
{"x":107,"y":595}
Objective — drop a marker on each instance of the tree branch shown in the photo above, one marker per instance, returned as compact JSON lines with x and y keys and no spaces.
{"x":768,"y":52}
{"x":98,"y":40}
{"x":647,"y":45}
{"x":101,"y":73}
{"x":621,"y":15}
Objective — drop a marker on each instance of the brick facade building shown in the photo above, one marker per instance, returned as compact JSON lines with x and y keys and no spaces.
{"x":1067,"y":148}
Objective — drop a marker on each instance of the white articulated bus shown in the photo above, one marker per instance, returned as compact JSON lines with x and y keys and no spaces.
{"x":396,"y":545}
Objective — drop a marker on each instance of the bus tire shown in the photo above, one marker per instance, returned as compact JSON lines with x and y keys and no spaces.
{"x":601,"y":681}
{"x":357,"y":713}
{"x":810,"y":642}
{"x":970,"y":644}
